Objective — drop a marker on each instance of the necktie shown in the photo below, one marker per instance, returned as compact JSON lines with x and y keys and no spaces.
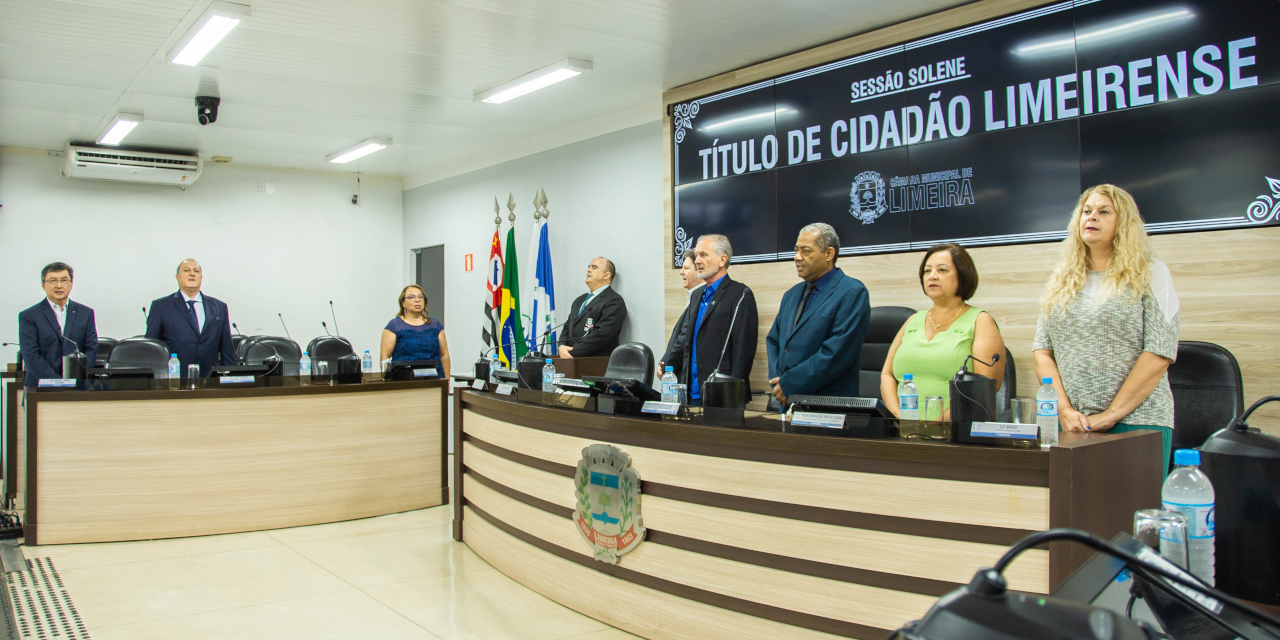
{"x":191,"y":306}
{"x":585,"y":303}
{"x":808,"y":289}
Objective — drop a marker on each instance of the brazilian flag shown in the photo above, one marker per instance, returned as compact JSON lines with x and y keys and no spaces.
{"x":512,"y":332}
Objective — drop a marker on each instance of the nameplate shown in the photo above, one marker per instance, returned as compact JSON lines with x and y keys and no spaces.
{"x":812,"y":419}
{"x":477,"y":385}
{"x":505,"y":388}
{"x":661,"y":408}
{"x":1005,"y":430}
{"x":235,"y":379}
{"x":425,"y":373}
{"x":1149,"y":555}
{"x":57,"y":383}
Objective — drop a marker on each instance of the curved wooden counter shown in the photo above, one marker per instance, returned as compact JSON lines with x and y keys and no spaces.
{"x":134,"y":465}
{"x":763,"y":534}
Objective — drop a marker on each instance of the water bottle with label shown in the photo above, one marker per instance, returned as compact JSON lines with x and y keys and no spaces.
{"x":366,"y":363}
{"x":669,"y":381}
{"x":908,"y":402}
{"x":1188,"y":491}
{"x":175,"y":371}
{"x":1047,"y":413}
{"x":549,"y":377}
{"x":304,"y":365}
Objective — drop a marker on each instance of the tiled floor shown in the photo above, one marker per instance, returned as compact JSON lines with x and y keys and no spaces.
{"x":387,"y":578}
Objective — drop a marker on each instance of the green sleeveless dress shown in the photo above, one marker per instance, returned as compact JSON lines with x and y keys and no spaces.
{"x":932,"y":363}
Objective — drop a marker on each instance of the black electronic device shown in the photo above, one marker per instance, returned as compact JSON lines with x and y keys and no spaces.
{"x":1244,"y":466}
{"x":973,"y":399}
{"x":267,"y":374}
{"x":622,"y":387}
{"x":120,"y":378}
{"x":840,"y":404}
{"x":343,"y":369}
{"x":529,"y":370}
{"x":401,"y":370}
{"x":507,"y":376}
{"x":864,"y":417}
{"x":986,"y":609}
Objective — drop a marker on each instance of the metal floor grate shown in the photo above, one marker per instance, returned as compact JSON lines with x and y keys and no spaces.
{"x":40,"y":604}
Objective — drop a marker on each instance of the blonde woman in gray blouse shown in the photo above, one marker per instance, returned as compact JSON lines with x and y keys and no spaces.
{"x":1108,"y":327}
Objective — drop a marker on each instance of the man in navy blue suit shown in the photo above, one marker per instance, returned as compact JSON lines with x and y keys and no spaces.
{"x":55,"y":326}
{"x":815,"y":343}
{"x":195,"y":326}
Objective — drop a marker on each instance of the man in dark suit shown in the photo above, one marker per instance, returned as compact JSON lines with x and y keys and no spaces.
{"x":48,"y":330}
{"x":815,"y":343}
{"x":722,"y":325}
{"x":596,"y":317}
{"x":195,"y":326}
{"x":690,"y":281}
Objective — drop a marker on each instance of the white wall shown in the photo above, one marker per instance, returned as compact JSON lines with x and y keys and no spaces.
{"x":605,"y":198}
{"x":263,"y":253}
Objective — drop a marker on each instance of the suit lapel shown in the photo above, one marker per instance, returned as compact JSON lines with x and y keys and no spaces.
{"x":817,"y":298}
{"x":51,"y":318}
{"x":210,"y":314}
{"x":180,"y":301}
{"x":711,"y":306}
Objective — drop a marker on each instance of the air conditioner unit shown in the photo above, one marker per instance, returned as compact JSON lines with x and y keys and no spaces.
{"x":96,"y":163}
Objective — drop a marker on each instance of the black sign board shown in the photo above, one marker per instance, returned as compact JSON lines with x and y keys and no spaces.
{"x":989,"y":133}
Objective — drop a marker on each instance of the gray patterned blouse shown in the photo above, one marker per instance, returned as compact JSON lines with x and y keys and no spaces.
{"x":1098,"y":339}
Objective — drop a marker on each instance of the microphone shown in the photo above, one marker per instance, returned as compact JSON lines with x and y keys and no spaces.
{"x":548,"y":332}
{"x":68,"y":370}
{"x":964,"y":368}
{"x":490,"y":351}
{"x":233,"y":326}
{"x":326,"y":329}
{"x":728,"y":336}
{"x":145,"y":317}
{"x":286,"y":328}
{"x":336,"y":330}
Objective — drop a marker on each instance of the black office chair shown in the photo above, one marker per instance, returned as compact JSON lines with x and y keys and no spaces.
{"x":329,"y":348}
{"x":1008,"y":389}
{"x":1208,"y":392}
{"x":105,"y":345}
{"x":236,"y":341}
{"x":259,"y":348}
{"x":885,"y":322}
{"x":141,"y":352}
{"x":241,"y":346}
{"x":632,"y":360}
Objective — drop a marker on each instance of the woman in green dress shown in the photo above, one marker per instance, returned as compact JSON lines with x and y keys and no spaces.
{"x":934,"y":343}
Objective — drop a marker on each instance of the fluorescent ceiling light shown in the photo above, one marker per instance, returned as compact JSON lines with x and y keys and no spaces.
{"x":120,"y":127}
{"x":359,"y":151}
{"x":214,"y":25}
{"x":529,"y":82}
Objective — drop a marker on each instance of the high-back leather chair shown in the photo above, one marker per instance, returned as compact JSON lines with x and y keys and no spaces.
{"x":105,"y":345}
{"x":141,"y":352}
{"x":236,"y":341}
{"x":1008,"y":388}
{"x":259,"y":348}
{"x":1208,"y":392}
{"x":885,"y":322}
{"x":328,"y":348}
{"x":631,"y":360}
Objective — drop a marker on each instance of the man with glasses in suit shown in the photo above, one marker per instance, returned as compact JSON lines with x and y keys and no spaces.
{"x":194,"y":326}
{"x":55,"y":326}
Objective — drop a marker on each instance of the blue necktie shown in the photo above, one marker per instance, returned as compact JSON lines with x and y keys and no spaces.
{"x":585,"y":303}
{"x":191,"y":306}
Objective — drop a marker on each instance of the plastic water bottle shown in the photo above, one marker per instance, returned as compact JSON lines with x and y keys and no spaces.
{"x":495,"y":365}
{"x":1047,"y":412}
{"x":908,"y":402}
{"x":669,"y":382}
{"x":175,"y":371}
{"x":1188,"y":491}
{"x":304,"y":365}
{"x":366,"y":363}
{"x":549,"y":377}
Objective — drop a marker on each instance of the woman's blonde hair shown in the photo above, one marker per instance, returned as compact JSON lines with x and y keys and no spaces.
{"x":400,"y":312}
{"x":1128,"y":270}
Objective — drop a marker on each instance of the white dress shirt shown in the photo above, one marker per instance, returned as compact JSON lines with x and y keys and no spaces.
{"x":199,"y":300}
{"x":60,"y":313}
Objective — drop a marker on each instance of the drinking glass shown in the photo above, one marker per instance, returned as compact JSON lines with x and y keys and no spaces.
{"x":932,"y":409}
{"x":193,"y":372}
{"x":386,"y":364}
{"x":679,"y":390}
{"x":1023,"y":410}
{"x":1164,"y":531}
{"x":322,"y":370}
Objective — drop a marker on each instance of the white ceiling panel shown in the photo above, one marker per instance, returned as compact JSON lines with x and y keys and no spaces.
{"x":300,"y":79}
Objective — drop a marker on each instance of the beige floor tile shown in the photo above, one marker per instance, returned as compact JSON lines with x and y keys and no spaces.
{"x":483,"y":605}
{"x":156,"y":589}
{"x":80,"y":556}
{"x":351,"y":615}
{"x":607,"y":634}
{"x":422,"y":518}
{"x":398,"y":556}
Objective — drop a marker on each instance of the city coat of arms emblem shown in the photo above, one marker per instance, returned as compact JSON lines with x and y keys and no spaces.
{"x":608,"y":494}
{"x":867,"y":197}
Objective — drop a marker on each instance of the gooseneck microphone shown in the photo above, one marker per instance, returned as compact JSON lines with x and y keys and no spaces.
{"x":964,"y":368}
{"x":286,"y":328}
{"x":145,"y":317}
{"x":728,"y":335}
{"x":233,"y":326}
{"x":326,"y":329}
{"x":336,"y":330}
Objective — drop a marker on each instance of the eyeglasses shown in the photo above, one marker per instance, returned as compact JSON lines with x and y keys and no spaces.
{"x":59,"y":281}
{"x":414,"y":296}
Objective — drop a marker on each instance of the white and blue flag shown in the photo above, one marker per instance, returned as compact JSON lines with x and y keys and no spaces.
{"x":542,"y":307}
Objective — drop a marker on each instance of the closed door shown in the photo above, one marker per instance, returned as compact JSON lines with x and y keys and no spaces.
{"x":430,"y":276}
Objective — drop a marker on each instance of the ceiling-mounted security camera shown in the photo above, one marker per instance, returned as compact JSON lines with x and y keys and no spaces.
{"x":207,"y":109}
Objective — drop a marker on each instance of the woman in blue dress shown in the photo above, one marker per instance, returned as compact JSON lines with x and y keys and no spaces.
{"x":412,"y":334}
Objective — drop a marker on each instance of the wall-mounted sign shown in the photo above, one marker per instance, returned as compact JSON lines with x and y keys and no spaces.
{"x":468,"y":262}
{"x":988,"y":134}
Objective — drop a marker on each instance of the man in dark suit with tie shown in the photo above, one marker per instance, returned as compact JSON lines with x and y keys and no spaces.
{"x":55,"y":327}
{"x":815,"y":343}
{"x":195,"y":326}
{"x":596,"y":317}
{"x":721,"y":324}
{"x":690,"y":281}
